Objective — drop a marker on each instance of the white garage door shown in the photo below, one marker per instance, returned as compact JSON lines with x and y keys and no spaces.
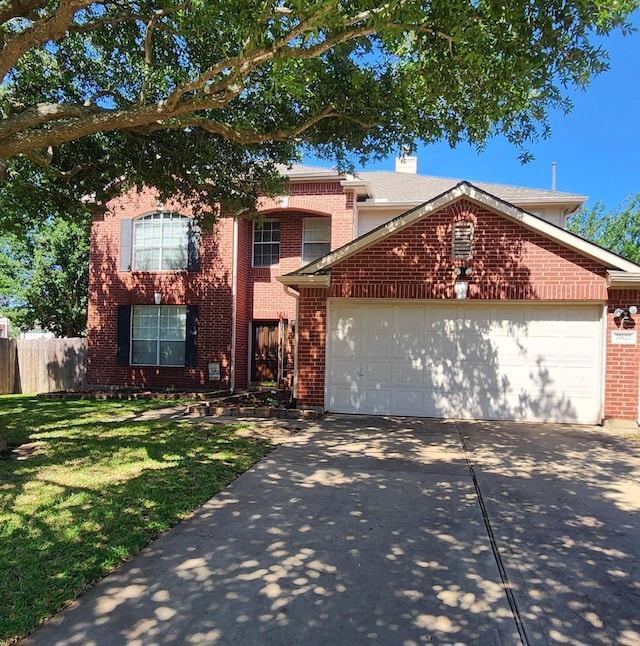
{"x":465,"y":360}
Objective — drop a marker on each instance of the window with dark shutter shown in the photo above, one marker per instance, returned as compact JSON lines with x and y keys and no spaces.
{"x":191,"y":354}
{"x":124,"y":334}
{"x":462,"y":240}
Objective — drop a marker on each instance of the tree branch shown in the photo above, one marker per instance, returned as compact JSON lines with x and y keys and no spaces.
{"x":40,"y":114}
{"x":45,"y":163}
{"x":19,"y":9}
{"x":250,"y":138}
{"x":148,"y":41}
{"x":243,"y":64}
{"x":45,"y":29}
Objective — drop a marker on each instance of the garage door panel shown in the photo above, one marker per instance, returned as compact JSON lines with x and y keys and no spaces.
{"x":409,"y":372}
{"x":344,"y":371}
{"x":377,"y":400}
{"x":509,"y":361}
{"x":414,"y":319}
{"x":377,"y":372}
{"x":412,"y":401}
{"x":378,"y":317}
{"x":345,"y":399}
{"x":410,"y":346}
{"x":378,"y":344}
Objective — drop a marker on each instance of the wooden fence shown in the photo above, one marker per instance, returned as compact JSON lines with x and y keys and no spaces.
{"x":42,"y":365}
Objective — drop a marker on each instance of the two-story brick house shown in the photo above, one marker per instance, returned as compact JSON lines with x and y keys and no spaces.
{"x":385,"y":292}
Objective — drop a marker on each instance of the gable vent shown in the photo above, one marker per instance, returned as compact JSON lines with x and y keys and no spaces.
{"x":462,"y":240}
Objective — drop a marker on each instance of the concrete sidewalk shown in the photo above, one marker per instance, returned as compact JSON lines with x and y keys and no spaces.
{"x":379,"y":530}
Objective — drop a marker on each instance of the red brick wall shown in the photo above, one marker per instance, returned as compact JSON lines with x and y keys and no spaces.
{"x":266,"y":298}
{"x":312,"y":346}
{"x":510,"y":263}
{"x":622,"y":379}
{"x":209,"y":288}
{"x":258,"y":295}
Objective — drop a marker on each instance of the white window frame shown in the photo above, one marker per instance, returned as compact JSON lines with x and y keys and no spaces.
{"x":158,"y":339}
{"x":315,"y":236}
{"x":258,"y":226}
{"x":166,"y":245}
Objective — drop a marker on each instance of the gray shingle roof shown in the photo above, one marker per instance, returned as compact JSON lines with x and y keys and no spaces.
{"x":415,"y":189}
{"x":405,"y":187}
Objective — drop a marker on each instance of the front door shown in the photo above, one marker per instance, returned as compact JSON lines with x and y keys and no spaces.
{"x":267,"y":337}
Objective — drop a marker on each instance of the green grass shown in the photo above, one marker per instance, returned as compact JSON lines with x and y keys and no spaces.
{"x":93,"y":489}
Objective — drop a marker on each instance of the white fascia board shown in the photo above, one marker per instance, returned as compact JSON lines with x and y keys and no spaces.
{"x":529,"y":201}
{"x":623,"y":280}
{"x":314,"y":177}
{"x":563,"y":237}
{"x":301,"y":280}
{"x":384,"y":204}
{"x":358,"y":186}
{"x":549,"y":199}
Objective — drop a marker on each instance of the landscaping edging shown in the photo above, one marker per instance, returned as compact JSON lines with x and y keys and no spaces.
{"x":200,"y":409}
{"x":115,"y":394}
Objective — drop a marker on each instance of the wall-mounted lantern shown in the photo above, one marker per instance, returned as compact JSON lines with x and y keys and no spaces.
{"x":621,"y":315}
{"x":157,"y":298}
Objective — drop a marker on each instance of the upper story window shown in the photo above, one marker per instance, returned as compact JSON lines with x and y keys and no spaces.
{"x":462,"y":235}
{"x":316,"y":238}
{"x":266,"y":243}
{"x":158,"y":335}
{"x":161,"y":242}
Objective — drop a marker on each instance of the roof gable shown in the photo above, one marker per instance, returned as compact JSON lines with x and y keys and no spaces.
{"x":313,"y":272}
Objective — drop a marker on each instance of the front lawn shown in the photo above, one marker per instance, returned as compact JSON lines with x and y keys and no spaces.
{"x":87,"y":485}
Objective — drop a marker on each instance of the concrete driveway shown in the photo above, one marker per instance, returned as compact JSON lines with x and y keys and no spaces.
{"x":394,"y":531}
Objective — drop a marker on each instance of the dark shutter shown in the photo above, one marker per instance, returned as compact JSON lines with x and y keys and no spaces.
{"x":126,"y":234}
{"x":124,"y":334}
{"x":193,"y":249}
{"x":191,"y":354}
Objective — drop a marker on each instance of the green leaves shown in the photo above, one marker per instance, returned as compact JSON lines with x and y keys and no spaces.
{"x":259,"y":81}
{"x":44,"y":277}
{"x":618,"y":230}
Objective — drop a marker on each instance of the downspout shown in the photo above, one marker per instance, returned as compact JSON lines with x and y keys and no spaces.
{"x":355,"y":228}
{"x":234,"y":289}
{"x":289,"y":292}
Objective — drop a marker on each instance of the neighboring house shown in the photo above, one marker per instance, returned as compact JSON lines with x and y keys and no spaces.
{"x":384,"y":293}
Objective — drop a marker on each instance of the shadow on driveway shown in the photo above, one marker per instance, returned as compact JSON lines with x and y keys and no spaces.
{"x":564,"y":505}
{"x":371,"y":530}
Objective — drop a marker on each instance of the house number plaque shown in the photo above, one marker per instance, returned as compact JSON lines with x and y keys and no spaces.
{"x":624,"y":337}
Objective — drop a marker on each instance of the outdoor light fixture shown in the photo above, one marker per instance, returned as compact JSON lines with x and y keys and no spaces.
{"x":461,"y":287}
{"x":157,"y":298}
{"x":625,"y":315}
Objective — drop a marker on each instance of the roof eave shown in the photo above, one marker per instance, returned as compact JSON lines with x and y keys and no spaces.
{"x":358,"y":186}
{"x":305,"y":280}
{"x":617,"y":279}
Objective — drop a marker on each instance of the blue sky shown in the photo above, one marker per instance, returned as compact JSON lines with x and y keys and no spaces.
{"x":596,"y":146}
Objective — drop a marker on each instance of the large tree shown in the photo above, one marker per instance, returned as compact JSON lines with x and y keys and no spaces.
{"x":617,"y":230}
{"x":200,"y":98}
{"x":44,"y":276}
